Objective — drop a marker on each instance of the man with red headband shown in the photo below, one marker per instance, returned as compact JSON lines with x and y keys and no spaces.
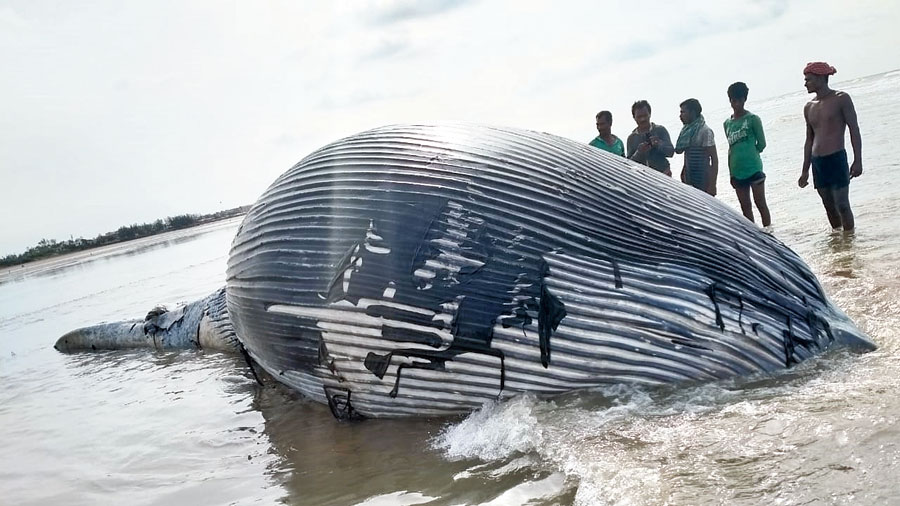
{"x":827,"y":117}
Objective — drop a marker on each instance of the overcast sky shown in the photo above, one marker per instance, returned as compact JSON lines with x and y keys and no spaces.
{"x":117,"y":112}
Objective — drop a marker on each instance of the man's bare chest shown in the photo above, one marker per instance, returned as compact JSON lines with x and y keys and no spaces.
{"x":825,"y":113}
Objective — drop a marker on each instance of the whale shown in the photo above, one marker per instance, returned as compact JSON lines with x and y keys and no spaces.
{"x":427,"y":269}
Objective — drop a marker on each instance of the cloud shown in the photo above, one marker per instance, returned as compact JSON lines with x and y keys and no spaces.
{"x":700,"y":20}
{"x":9,"y":20}
{"x":352,"y":96}
{"x":635,"y":50}
{"x":385,"y":49}
{"x":657,"y":33}
{"x":394,"y":11}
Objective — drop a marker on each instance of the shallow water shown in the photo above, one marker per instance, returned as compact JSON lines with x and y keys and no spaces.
{"x":195,"y":428}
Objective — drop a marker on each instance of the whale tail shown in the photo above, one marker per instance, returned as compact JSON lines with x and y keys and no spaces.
{"x":200,"y":324}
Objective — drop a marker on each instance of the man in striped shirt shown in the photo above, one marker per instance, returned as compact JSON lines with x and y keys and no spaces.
{"x":697,"y":142}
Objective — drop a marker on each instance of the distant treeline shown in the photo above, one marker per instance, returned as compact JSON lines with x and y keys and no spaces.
{"x":49,"y":248}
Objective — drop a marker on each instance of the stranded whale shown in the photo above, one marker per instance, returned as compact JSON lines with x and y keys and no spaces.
{"x":426,"y":269}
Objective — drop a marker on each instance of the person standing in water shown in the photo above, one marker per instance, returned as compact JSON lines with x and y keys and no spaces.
{"x":606,"y":140}
{"x":745,"y":142}
{"x":649,"y":143}
{"x":697,"y":142}
{"x":827,"y":116}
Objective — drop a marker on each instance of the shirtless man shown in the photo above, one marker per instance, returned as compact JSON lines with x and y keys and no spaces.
{"x":827,"y":116}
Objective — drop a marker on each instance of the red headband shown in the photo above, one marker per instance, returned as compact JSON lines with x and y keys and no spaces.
{"x":819,"y":68}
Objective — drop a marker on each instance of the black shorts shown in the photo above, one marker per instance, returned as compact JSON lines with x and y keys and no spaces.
{"x":831,"y":171}
{"x":747,"y":182}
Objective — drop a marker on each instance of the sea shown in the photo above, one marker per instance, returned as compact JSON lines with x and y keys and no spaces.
{"x":195,"y":428}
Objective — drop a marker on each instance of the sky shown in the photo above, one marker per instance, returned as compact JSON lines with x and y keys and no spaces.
{"x":116,"y":113}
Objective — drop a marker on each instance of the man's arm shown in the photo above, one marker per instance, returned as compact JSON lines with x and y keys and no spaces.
{"x":713,"y":171}
{"x":807,"y":150}
{"x":855,"y":139}
{"x":633,"y":152}
{"x":665,"y":143}
{"x":758,"y":132}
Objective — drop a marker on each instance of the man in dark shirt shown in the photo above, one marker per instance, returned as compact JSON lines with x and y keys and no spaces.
{"x":649,"y":143}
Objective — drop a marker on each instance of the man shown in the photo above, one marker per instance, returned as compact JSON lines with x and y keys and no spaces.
{"x":697,"y":142}
{"x":649,"y":143}
{"x":606,"y":140}
{"x":827,"y":116}
{"x":746,"y":140}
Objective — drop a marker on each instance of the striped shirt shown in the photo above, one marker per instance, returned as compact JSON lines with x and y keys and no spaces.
{"x":696,"y":161}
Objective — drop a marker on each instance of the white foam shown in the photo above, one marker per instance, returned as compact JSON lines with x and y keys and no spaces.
{"x":495,"y":431}
{"x":400,"y":498}
{"x":530,"y":492}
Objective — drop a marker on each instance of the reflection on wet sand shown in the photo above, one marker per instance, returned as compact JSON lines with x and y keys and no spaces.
{"x":841,"y":254}
{"x":325,"y":462}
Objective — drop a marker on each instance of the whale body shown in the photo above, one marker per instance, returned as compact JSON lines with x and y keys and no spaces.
{"x":421,"y":270}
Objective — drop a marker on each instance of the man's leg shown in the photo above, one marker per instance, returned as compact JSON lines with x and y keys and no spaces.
{"x":830,"y":207}
{"x":743,"y":195}
{"x":842,"y":203}
{"x":759,"y":197}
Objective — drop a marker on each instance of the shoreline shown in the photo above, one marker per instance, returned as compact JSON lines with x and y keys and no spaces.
{"x":15,"y":272}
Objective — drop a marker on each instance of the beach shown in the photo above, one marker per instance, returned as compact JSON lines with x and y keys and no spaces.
{"x":194,"y":427}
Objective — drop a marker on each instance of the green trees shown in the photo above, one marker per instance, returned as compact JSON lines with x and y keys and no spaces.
{"x":47,"y":248}
{"x":181,"y":221}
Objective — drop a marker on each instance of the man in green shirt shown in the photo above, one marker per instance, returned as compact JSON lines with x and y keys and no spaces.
{"x":606,"y":140}
{"x":745,"y":142}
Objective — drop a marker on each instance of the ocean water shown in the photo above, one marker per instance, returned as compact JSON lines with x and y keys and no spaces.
{"x":194,"y":428}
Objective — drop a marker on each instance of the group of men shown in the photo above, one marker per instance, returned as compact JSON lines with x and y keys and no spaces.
{"x":828,"y":115}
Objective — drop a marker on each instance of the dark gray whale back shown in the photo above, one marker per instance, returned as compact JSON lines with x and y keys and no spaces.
{"x":419,"y":269}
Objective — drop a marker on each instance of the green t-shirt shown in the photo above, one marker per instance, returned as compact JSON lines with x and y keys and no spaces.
{"x":617,"y":147}
{"x":745,"y":142}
